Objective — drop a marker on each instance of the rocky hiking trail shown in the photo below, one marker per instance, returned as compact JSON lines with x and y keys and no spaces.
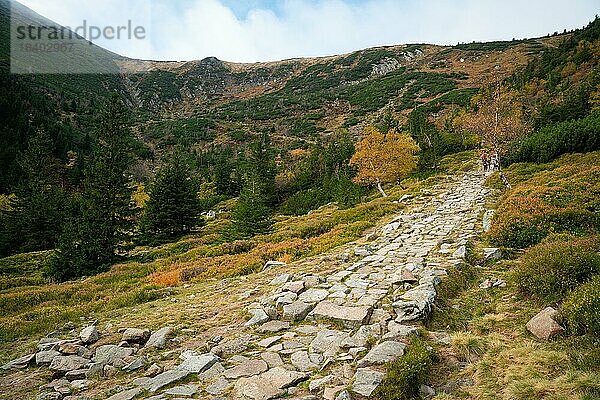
{"x":311,"y":335}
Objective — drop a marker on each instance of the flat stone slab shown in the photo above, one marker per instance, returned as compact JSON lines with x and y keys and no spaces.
{"x":68,"y":363}
{"x":164,"y":379}
{"x":313,"y":295}
{"x":273,"y":327}
{"x":110,"y":353}
{"x":268,"y":385}
{"x":350,"y":317}
{"x":198,"y":363}
{"x":246,"y":369}
{"x":183,"y":390}
{"x":126,"y":394}
{"x":19,"y":363}
{"x":366,"y":381}
{"x":383,"y":353}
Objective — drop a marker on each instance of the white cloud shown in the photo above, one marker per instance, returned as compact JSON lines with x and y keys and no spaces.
{"x":194,"y":29}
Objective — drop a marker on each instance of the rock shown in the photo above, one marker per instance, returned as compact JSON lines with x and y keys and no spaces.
{"x":95,"y":371}
{"x":318,"y":384}
{"x":273,"y":327}
{"x":302,"y":361}
{"x":350,"y":317}
{"x":426,"y":391}
{"x":246,"y":369}
{"x":397,"y":331}
{"x":492,"y":253}
{"x":344,"y":395}
{"x":69,"y":348}
{"x":126,"y":394}
{"x":109,"y":354}
{"x":271,"y":264}
{"x":543,"y":325}
{"x":281,"y":279}
{"x":269,"y":341}
{"x":366,"y":381}
{"x":89,"y":335}
{"x":198,"y":363}
{"x":68,"y":363}
{"x":154,"y":370}
{"x":76,"y":375}
{"x":259,"y":316}
{"x":294,"y":287}
{"x":383,"y":353}
{"x":46,"y":357}
{"x":328,"y":342}
{"x":272,"y":359}
{"x":296,"y":311}
{"x":313,"y":295}
{"x":164,"y":379}
{"x":415,"y":304}
{"x":218,"y":387}
{"x":80,"y":384}
{"x":461,"y":252}
{"x":233,"y":346}
{"x":158,"y":339}
{"x":211,"y":373}
{"x":136,"y":364}
{"x":182,"y":390}
{"x":109,"y":371}
{"x":49,"y":396}
{"x":487,"y":220}
{"x":330,"y":393}
{"x":135,"y":335}
{"x":19,"y":363}
{"x":267,"y":385}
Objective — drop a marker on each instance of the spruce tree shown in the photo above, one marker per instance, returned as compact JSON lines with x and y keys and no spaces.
{"x":93,"y":240}
{"x":173,"y":208}
{"x":252,"y":214}
{"x":36,"y":214}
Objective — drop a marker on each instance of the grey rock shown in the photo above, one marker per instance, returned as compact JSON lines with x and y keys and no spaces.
{"x":164,"y":379}
{"x":313,"y":295}
{"x":366,"y":381}
{"x":126,"y":394}
{"x":46,"y":357}
{"x":182,"y":390}
{"x":233,"y":346}
{"x":383,"y":353}
{"x":267,"y":385}
{"x":198,"y":363}
{"x":344,"y":395}
{"x":211,"y":373}
{"x":426,"y":391}
{"x":270,"y":264}
{"x":328,"y":342}
{"x":95,"y":371}
{"x":492,"y":253}
{"x":259,"y":316}
{"x":218,"y":387}
{"x":302,"y":361}
{"x":281,"y":279}
{"x":110,"y":353}
{"x":80,"y":384}
{"x":272,"y":359}
{"x":273,"y":327}
{"x":154,"y":370}
{"x":350,"y":317}
{"x":19,"y":363}
{"x":49,"y":396}
{"x":318,"y":384}
{"x":415,"y":304}
{"x":135,"y":335}
{"x":136,"y":364}
{"x":68,"y":363}
{"x":294,"y":287}
{"x":398,"y":331}
{"x":246,"y":369}
{"x":89,"y":335}
{"x":296,"y":311}
{"x":158,"y":339}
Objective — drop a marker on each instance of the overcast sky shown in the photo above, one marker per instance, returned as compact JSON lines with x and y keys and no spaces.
{"x":265,"y":30}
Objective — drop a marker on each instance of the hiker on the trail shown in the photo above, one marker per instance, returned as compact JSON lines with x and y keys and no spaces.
{"x":485,"y":159}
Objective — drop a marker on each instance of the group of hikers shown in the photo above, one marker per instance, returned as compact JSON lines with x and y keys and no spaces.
{"x":490,"y":160}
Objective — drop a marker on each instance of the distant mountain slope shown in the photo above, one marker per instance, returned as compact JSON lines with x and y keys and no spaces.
{"x":211,"y":102}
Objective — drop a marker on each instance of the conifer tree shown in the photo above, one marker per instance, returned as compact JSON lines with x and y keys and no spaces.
{"x":35,"y":215}
{"x":173,"y":208}
{"x":94,"y":238}
{"x":252,"y":214}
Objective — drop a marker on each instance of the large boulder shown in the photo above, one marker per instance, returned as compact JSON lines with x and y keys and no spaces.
{"x":543,"y":325}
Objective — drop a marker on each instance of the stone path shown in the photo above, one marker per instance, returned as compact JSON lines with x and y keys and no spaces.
{"x":326,"y":337}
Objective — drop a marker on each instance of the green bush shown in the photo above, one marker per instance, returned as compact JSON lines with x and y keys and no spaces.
{"x":405,"y":375}
{"x":581,"y":309}
{"x":556,"y":266}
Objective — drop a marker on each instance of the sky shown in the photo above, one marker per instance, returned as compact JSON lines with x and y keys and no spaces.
{"x":269,"y":30}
